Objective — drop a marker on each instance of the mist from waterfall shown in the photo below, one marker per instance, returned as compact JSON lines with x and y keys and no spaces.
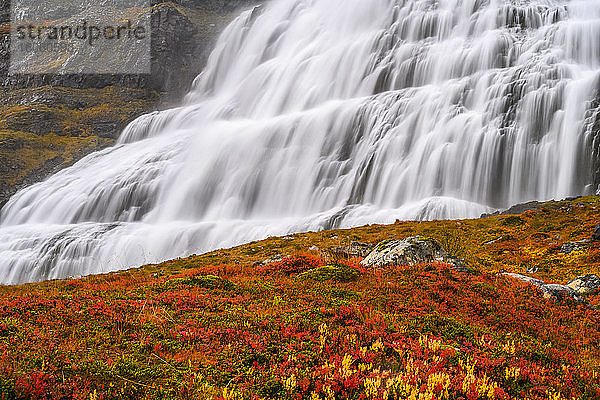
{"x":317,"y":114}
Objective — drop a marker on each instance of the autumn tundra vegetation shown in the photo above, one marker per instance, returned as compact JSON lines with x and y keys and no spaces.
{"x":303,"y":317}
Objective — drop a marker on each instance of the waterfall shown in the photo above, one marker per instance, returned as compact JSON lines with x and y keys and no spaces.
{"x":317,"y":114}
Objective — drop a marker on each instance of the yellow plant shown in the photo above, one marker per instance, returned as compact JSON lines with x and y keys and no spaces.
{"x":290,"y":383}
{"x":512,"y":373}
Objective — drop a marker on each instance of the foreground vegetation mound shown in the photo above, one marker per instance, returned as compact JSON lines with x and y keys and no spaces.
{"x":227,"y":326}
{"x":203,"y":281}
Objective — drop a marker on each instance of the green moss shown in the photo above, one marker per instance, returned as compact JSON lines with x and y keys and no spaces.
{"x":271,"y":389}
{"x":204,"y":281}
{"x":446,"y":327}
{"x":513,"y":220}
{"x":346,"y":294}
{"x":7,"y":389}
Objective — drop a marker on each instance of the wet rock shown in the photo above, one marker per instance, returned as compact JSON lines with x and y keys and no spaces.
{"x":356,"y":249}
{"x":39,"y":120}
{"x":585,"y":284}
{"x":516,"y":209}
{"x":411,"y":251}
{"x":550,"y":290}
{"x":529,"y":206}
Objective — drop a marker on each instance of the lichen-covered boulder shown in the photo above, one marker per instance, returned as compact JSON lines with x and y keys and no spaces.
{"x":585,"y":284}
{"x":410,"y":251}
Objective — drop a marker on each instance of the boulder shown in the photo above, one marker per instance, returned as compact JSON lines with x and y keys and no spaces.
{"x":560,"y":292}
{"x":411,"y":251}
{"x":550,"y":290}
{"x":585,"y":284}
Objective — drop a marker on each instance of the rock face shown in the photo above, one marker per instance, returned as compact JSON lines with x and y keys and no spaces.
{"x":410,"y":251}
{"x":585,"y":284}
{"x":45,"y":129}
{"x":517,"y":209}
{"x":551,"y":290}
{"x":183,"y":33}
{"x":529,"y":206}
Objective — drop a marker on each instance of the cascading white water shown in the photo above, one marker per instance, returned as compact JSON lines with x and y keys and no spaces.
{"x":314,"y":114}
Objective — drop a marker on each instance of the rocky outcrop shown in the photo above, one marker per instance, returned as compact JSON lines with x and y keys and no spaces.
{"x":183,"y":33}
{"x":517,"y":209}
{"x":529,"y":206}
{"x":411,"y":251}
{"x":585,"y":284}
{"x":551,"y":290}
{"x":355,"y":250}
{"x":268,"y":261}
{"x":570,"y":247}
{"x":43,"y":130}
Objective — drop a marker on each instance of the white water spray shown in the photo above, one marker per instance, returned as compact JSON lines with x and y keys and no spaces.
{"x":314,"y":114}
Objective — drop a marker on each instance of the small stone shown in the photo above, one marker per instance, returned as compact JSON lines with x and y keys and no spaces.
{"x":314,"y":248}
{"x":596,"y":234}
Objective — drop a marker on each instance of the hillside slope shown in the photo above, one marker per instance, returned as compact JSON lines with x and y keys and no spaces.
{"x":318,"y":324}
{"x":49,"y":121}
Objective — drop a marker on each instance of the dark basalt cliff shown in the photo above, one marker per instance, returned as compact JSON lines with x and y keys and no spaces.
{"x":48,"y":122}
